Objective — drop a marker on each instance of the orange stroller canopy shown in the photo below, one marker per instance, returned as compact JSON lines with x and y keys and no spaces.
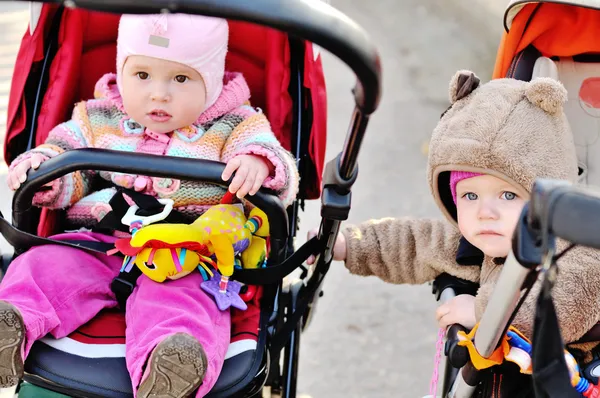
{"x":554,"y":28}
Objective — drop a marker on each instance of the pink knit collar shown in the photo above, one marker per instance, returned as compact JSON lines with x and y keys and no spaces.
{"x":235,"y":93}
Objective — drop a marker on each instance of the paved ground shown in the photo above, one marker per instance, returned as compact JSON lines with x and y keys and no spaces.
{"x":369,"y":339}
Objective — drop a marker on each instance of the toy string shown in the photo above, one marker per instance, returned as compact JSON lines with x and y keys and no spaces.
{"x":439,"y":348}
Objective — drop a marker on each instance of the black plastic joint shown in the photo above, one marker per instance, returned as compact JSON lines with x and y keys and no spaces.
{"x":526,"y":244}
{"x":122,"y":285}
{"x":335,"y":206}
{"x":337,"y":196}
{"x":458,"y":356}
{"x":333,"y":178}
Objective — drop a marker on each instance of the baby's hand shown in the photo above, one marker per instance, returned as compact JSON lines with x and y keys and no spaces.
{"x":251,"y":173}
{"x":18,"y":174}
{"x":339,"y":248}
{"x":459,"y":309}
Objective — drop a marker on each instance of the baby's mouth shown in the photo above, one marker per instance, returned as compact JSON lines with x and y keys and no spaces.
{"x":489,"y":233}
{"x":158,"y":115}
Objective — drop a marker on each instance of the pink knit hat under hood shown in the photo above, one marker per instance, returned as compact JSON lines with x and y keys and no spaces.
{"x":458,"y":176}
{"x":197,"y":41}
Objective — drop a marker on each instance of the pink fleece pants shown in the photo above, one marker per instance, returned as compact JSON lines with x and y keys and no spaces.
{"x":57,"y":289}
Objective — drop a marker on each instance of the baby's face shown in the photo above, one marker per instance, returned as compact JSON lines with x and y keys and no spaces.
{"x":162,"y":95}
{"x":488,"y":209}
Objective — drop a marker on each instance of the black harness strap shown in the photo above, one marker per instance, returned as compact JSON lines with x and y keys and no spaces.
{"x":551,"y":377}
{"x":24,"y":240}
{"x":274,"y":274}
{"x":122,"y":286}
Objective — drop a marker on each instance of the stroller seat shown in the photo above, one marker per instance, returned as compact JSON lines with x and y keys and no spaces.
{"x":581,"y":78}
{"x":556,"y":40}
{"x":582,"y":81}
{"x":90,"y":362}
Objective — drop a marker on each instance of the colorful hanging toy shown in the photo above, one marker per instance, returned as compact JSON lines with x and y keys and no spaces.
{"x":516,"y":348}
{"x":209,"y":244}
{"x":581,"y":385}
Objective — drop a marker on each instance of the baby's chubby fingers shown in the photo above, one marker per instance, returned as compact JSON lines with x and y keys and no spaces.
{"x":22,"y":171}
{"x":261,"y":176}
{"x":247,"y":184}
{"x":10,"y":181}
{"x":239,"y":179}
{"x":17,"y":176}
{"x":230,"y":168}
{"x":36,"y":161}
{"x":442,"y":310}
{"x":311,"y":234}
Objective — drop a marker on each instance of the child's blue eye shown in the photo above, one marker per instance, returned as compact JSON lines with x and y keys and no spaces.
{"x":470,"y":196}
{"x":509,"y":195}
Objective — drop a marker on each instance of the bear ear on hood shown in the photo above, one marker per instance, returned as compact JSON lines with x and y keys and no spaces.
{"x":462,"y":84}
{"x":547,"y":93}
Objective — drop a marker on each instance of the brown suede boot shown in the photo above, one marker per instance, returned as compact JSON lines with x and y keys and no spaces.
{"x":176,"y":368}
{"x":12,"y":336}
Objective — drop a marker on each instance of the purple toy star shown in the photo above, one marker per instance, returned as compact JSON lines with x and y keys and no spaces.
{"x":229,"y":298}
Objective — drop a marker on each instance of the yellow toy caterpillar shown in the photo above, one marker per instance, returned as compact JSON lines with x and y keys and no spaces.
{"x":171,"y":251}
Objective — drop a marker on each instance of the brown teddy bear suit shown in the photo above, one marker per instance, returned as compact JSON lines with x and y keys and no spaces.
{"x":510,"y":129}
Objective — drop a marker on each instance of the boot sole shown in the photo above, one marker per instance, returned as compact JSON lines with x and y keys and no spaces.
{"x":177,"y":368}
{"x":12,"y":334}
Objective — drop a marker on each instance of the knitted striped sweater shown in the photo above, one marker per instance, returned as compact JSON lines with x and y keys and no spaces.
{"x":229,"y":128}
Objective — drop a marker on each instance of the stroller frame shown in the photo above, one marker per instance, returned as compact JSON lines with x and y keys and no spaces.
{"x":303,"y":20}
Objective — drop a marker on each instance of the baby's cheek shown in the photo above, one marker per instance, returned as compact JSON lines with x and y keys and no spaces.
{"x":465,"y":223}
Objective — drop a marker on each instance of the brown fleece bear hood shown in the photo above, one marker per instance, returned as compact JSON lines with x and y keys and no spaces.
{"x":514,"y":130}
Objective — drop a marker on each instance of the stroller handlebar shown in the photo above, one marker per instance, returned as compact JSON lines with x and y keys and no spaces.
{"x":144,"y":164}
{"x":311,"y":20}
{"x":569,"y":212}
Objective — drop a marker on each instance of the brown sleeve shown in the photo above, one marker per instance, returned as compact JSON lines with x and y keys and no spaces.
{"x":405,"y":250}
{"x":576,"y":296}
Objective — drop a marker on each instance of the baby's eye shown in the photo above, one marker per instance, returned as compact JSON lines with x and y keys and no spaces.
{"x":509,"y":195}
{"x":181,"y":78}
{"x":143,"y":75}
{"x":470,"y":196}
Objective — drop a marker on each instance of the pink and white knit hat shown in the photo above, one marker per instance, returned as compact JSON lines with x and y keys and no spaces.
{"x":197,"y":41}
{"x":458,"y":176}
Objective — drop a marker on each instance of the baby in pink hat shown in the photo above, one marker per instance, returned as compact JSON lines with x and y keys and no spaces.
{"x":170,"y":96}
